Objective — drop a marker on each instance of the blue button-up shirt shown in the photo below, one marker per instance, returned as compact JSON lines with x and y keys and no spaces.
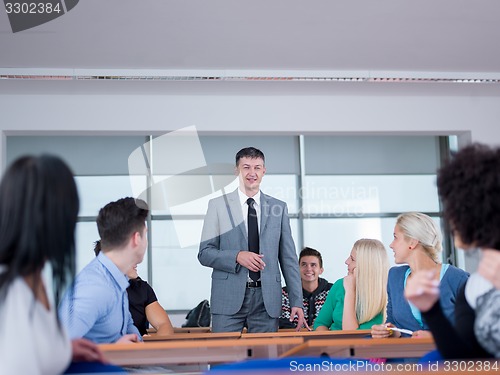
{"x":98,"y":308}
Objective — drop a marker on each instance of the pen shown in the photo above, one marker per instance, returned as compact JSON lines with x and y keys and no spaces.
{"x":402,"y":330}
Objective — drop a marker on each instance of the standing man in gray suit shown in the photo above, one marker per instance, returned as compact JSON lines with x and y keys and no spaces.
{"x":245,"y":235}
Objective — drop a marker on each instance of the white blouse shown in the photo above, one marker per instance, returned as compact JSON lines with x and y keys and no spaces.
{"x":31,"y":341}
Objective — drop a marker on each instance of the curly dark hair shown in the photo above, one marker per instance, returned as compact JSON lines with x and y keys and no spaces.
{"x":469,"y":187}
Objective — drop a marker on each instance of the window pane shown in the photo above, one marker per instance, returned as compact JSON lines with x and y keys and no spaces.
{"x":283,"y":187}
{"x":354,"y":196}
{"x":281,"y":151}
{"x":184,"y":196}
{"x":179,"y":280}
{"x":334,"y":239}
{"x":86,"y":155}
{"x":97,"y":191}
{"x":194,"y":199}
{"x":294,"y":224}
{"x":86,"y":235}
{"x":369,"y":154}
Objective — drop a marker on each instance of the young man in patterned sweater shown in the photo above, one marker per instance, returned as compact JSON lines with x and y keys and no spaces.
{"x":314,"y":289}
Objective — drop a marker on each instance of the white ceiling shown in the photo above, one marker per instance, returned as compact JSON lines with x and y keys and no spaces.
{"x":270,"y":35}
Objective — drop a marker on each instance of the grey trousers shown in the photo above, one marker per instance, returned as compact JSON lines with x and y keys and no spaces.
{"x":253,"y":314}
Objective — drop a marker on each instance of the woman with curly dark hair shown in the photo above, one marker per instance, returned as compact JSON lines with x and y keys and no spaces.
{"x":469,"y":187}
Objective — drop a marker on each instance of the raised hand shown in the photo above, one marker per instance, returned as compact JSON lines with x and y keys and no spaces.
{"x":489,"y":266}
{"x":422,"y":289}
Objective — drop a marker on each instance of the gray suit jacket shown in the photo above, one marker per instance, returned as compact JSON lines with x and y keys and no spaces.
{"x":224,"y":235}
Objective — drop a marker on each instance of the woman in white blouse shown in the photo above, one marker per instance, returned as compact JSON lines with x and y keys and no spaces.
{"x":38,"y":210}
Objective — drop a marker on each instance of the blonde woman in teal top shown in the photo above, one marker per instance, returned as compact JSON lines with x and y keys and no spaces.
{"x":358,"y":300}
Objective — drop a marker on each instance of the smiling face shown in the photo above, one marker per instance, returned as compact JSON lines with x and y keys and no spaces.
{"x":310,"y":268}
{"x":401,"y":246}
{"x":250,"y":172}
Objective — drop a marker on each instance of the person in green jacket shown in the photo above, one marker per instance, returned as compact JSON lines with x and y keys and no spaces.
{"x":358,"y":300}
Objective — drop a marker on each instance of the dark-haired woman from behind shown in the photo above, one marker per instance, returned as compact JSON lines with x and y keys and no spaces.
{"x":38,"y":211}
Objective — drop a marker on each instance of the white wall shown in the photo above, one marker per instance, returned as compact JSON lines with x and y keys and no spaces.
{"x":424,"y":109}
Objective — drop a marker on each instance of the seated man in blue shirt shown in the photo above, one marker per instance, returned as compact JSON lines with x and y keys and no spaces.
{"x":98,"y":307}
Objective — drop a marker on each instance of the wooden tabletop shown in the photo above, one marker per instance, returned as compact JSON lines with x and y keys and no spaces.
{"x":192,"y":329}
{"x":193,"y":336}
{"x":364,"y":348}
{"x":306,"y":335}
{"x":310,"y":335}
{"x":197,"y":351}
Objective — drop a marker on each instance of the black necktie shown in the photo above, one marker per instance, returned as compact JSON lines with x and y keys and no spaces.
{"x":253,"y":234}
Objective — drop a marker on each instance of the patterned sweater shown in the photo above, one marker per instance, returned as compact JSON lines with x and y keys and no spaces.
{"x":312,"y":304}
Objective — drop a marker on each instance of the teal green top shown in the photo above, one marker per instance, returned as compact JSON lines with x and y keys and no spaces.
{"x":331,"y":313}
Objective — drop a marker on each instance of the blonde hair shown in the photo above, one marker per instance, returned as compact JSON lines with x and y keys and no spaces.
{"x":372,"y":268}
{"x":422,"y":228}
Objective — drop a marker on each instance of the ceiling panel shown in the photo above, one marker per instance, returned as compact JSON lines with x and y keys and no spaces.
{"x":367,"y":35}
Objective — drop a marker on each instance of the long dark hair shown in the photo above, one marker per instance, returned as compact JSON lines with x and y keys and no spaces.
{"x":38,"y":211}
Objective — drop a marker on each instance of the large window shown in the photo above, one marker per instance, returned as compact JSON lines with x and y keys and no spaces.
{"x":338,"y":210}
{"x":338,"y":189}
{"x":354,"y":187}
{"x":95,"y":192}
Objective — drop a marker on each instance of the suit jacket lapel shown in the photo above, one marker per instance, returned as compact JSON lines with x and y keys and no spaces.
{"x":264,"y":212}
{"x":233,"y":200}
